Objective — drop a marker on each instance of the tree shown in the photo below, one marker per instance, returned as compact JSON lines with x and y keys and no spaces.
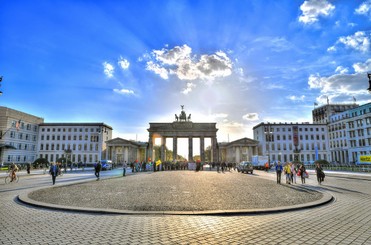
{"x":322,"y":162}
{"x":40,"y":162}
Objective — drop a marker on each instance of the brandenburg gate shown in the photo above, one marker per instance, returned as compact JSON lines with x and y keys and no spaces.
{"x":183,"y":127}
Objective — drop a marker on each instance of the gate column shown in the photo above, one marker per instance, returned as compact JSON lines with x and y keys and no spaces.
{"x":202,"y":148}
{"x":190,"y":149}
{"x":175,"y":148}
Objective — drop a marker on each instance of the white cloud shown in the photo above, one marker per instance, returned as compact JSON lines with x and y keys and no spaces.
{"x":251,"y":117}
{"x":313,"y":9}
{"x":362,"y":67}
{"x":341,"y":70}
{"x":331,"y":49}
{"x":123,"y":91}
{"x":296,"y":98}
{"x":180,"y":62}
{"x":123,"y":63}
{"x":157,"y":69}
{"x":359,"y":41}
{"x":364,"y":9}
{"x":189,"y":88}
{"x":108,"y":69}
{"x":342,"y":87}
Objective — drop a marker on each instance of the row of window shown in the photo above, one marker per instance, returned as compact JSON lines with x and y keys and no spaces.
{"x":85,"y":158}
{"x":80,"y":147}
{"x":307,"y":146}
{"x":20,"y":159}
{"x":271,"y":137}
{"x":360,"y":142}
{"x":22,"y":136}
{"x":84,"y":129}
{"x":21,"y":125}
{"x":272,"y":129}
{"x":338,"y":143}
{"x":303,"y":157}
{"x":93,"y":138}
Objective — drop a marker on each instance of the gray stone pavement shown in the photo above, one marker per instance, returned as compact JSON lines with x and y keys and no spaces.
{"x":347,"y":220}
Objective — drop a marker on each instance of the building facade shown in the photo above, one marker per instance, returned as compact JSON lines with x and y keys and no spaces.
{"x":78,"y":142}
{"x":287,"y":142}
{"x":322,"y":114}
{"x":238,"y":150}
{"x":19,"y":135}
{"x":350,"y":134}
{"x":120,"y":150}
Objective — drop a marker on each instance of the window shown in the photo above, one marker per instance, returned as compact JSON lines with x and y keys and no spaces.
{"x":47,"y":137}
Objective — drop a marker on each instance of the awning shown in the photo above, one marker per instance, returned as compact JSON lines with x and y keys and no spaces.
{"x":5,"y":146}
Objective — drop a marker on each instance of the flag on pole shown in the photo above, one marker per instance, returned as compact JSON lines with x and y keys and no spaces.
{"x":315,"y":104}
{"x":354,"y":99}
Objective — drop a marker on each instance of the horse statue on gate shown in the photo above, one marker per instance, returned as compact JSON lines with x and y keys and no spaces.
{"x":176,"y":117}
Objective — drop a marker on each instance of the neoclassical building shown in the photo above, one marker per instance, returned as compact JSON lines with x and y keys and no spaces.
{"x":121,"y":150}
{"x":238,"y":150}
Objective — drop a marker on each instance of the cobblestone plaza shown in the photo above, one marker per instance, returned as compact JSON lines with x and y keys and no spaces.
{"x":346,"y":220}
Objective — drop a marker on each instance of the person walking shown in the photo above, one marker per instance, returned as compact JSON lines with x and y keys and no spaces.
{"x":279,"y":172}
{"x":302,"y":172}
{"x":53,"y":171}
{"x":320,"y":174}
{"x":266,"y":167}
{"x":28,"y":168}
{"x":124,"y":166}
{"x":98,"y":167}
{"x":293,"y":173}
{"x":287,"y":170}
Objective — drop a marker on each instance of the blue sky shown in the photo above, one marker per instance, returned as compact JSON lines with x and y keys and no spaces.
{"x":237,"y":63}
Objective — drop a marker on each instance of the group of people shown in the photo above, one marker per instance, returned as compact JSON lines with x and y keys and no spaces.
{"x":291,"y":170}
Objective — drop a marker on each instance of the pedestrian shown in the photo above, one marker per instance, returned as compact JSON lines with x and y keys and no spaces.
{"x":302,"y":172}
{"x":28,"y":168}
{"x":287,"y":170}
{"x":293,"y":173}
{"x":266,"y":166}
{"x":320,"y":174}
{"x":98,"y":167}
{"x":124,"y":166}
{"x":53,"y":171}
{"x":279,"y":172}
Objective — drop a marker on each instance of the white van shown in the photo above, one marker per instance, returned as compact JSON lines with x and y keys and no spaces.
{"x":106,"y":164}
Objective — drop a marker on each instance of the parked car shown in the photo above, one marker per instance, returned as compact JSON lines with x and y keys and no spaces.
{"x":245,"y":167}
{"x":106,"y":165}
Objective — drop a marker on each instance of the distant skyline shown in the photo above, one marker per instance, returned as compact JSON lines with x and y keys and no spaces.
{"x":236,"y":63}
